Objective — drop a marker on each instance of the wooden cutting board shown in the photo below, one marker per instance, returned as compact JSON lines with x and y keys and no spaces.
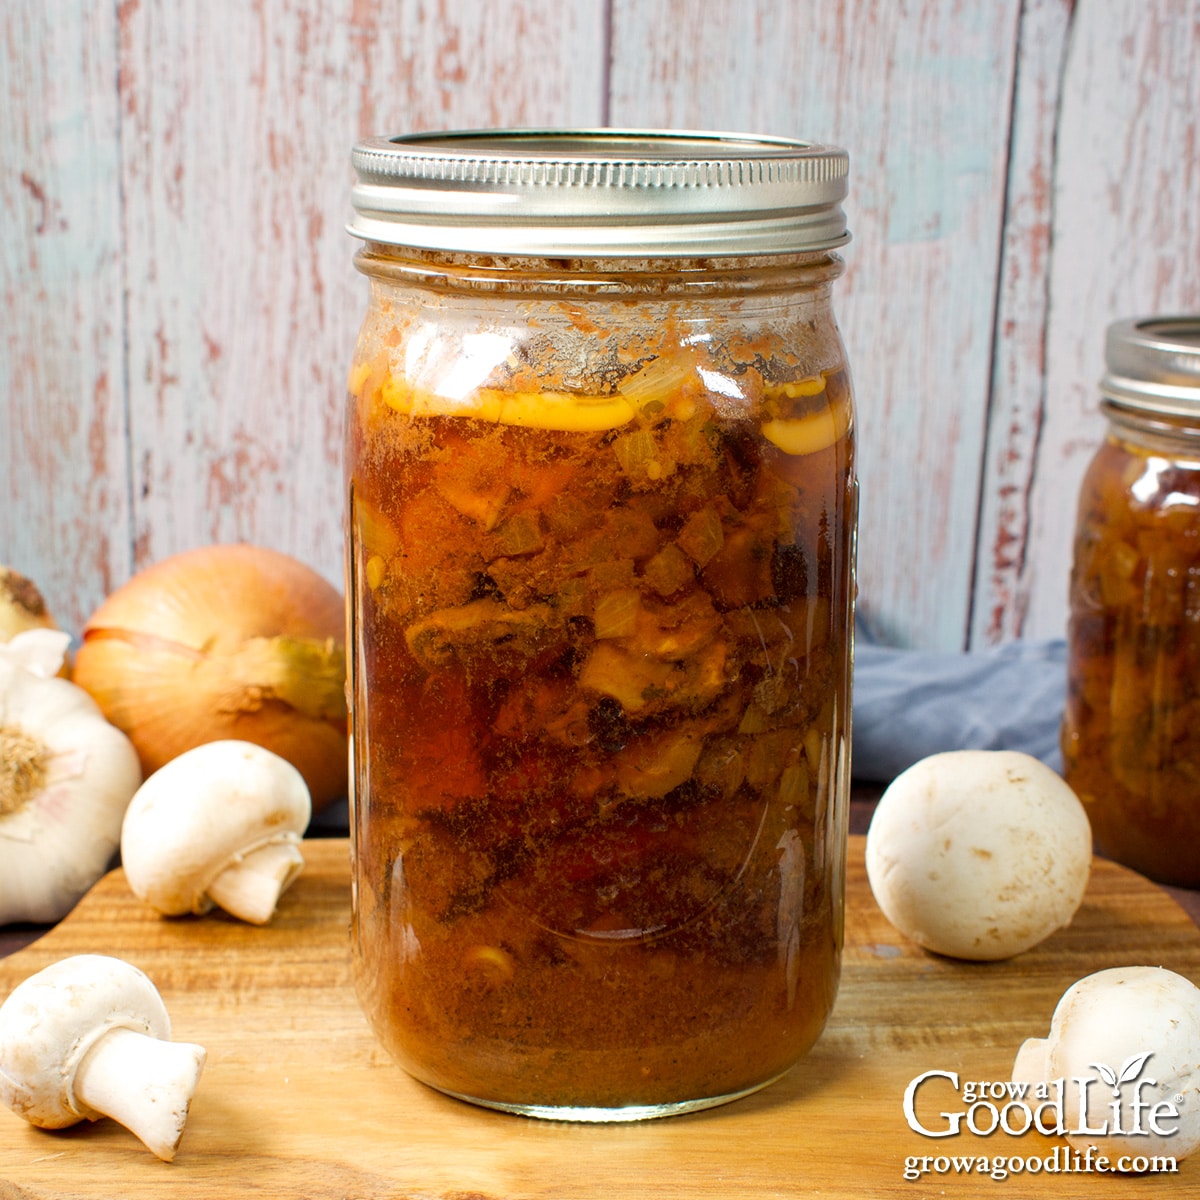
{"x":298,"y":1101}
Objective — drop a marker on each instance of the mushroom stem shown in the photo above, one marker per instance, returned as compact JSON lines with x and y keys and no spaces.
{"x":143,"y":1083}
{"x":251,"y":885}
{"x":1030,"y":1064}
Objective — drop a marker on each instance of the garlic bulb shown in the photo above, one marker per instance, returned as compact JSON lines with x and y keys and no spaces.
{"x":66,"y":778}
{"x":21,"y":605}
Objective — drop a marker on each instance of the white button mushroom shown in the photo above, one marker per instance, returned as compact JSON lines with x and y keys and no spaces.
{"x":88,"y":1038}
{"x":1135,"y":1032}
{"x":219,"y":825}
{"x":979,"y":854}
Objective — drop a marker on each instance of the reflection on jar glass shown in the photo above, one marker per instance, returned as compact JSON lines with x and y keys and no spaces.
{"x":601,"y":540}
{"x":1131,"y":733}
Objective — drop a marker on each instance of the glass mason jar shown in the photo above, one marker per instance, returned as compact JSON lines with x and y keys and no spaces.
{"x":1131,"y":731}
{"x":601,"y":529}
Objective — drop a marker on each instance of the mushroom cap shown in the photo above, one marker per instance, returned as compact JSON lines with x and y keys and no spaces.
{"x":1114,"y":1017}
{"x":979,"y":854}
{"x":50,"y":1022}
{"x":202,"y":811}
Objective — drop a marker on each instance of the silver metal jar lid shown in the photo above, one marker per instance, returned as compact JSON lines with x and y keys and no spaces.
{"x":1154,"y":365}
{"x":600,"y":193}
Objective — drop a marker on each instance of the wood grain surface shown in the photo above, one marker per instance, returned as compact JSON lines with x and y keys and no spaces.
{"x":178,"y":305}
{"x":298,"y":1100}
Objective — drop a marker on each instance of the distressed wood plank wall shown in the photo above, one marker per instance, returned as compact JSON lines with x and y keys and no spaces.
{"x":177,"y":301}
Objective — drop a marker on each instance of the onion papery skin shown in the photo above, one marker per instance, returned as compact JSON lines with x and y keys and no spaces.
{"x":226,"y":641}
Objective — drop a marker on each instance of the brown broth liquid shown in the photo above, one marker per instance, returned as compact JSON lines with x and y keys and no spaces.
{"x":601,"y":721}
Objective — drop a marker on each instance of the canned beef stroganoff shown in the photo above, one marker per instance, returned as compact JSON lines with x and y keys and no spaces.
{"x":601,"y":536}
{"x":1130,"y":737}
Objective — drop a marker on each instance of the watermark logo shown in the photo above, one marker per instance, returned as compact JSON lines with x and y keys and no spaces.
{"x":1117,"y":1104}
{"x":1130,"y":1070}
{"x":1069,"y":1107}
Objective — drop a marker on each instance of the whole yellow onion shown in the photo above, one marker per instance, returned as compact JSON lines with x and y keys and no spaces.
{"x":227,"y":641}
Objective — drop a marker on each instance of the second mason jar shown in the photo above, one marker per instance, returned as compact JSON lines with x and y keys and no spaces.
{"x":601,"y":530}
{"x":1131,"y":733}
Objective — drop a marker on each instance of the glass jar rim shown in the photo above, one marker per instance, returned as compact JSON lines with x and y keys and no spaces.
{"x":612,"y":193}
{"x":662,"y":278}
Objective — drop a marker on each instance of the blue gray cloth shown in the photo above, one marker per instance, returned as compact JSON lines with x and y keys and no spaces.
{"x":911,"y":703}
